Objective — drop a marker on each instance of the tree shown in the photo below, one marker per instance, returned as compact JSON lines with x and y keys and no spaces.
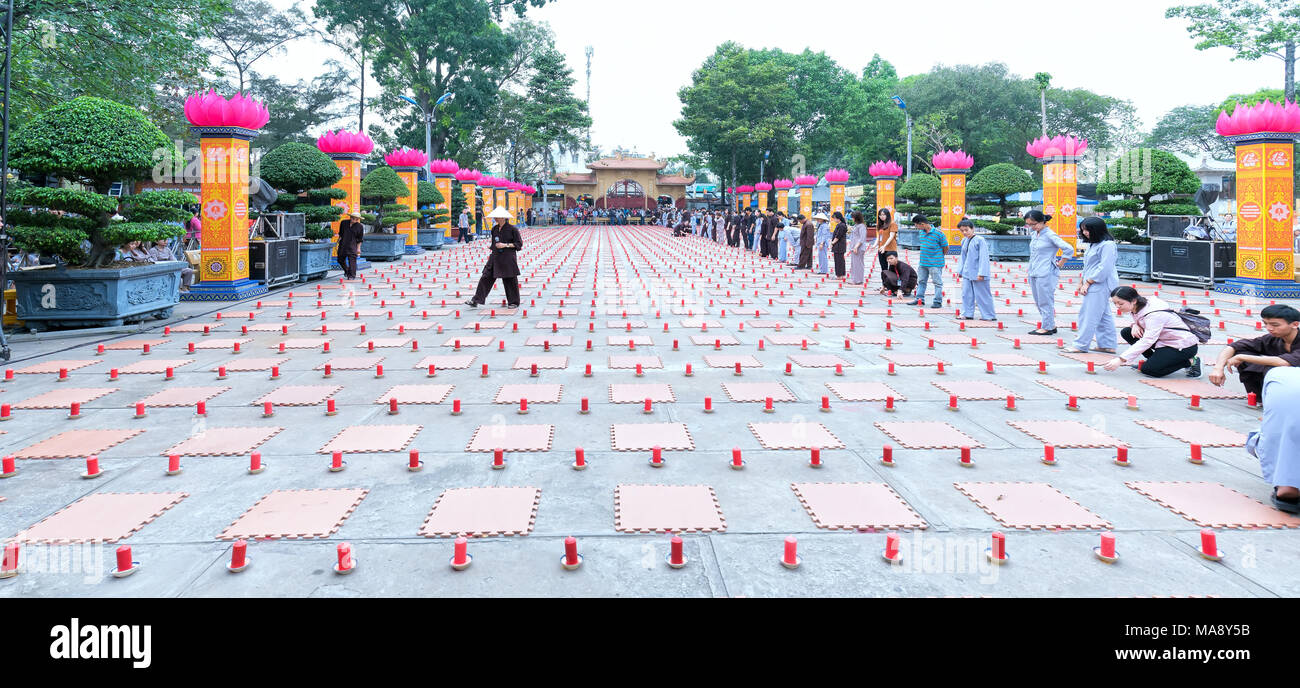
{"x":552,"y":116}
{"x":297,"y":167}
{"x":296,"y":108}
{"x":253,"y":31}
{"x":427,"y":197}
{"x":935,"y":134}
{"x":385,"y":186}
{"x":94,"y":142}
{"x":1251,"y":28}
{"x":356,"y":44}
{"x":424,"y":48}
{"x":1145,"y":173}
{"x":921,"y":187}
{"x":144,"y":52}
{"x":1001,"y":180}
{"x":1190,"y":129}
{"x":1044,"y":81}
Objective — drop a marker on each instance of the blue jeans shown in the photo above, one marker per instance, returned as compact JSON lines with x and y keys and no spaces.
{"x":924,"y":274}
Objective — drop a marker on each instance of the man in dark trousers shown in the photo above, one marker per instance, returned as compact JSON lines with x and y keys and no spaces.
{"x":732,"y":227}
{"x":807,"y":238}
{"x":350,"y":235}
{"x":505,"y":242}
{"x":768,"y":244}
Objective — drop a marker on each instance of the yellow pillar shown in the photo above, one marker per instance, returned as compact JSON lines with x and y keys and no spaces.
{"x":952,"y":204}
{"x":408,"y":176}
{"x":837,"y":198}
{"x":350,"y":165}
{"x":443,"y":182}
{"x":467,"y":187}
{"x":760,"y":193}
{"x":885,"y":188}
{"x":223,"y":269}
{"x":1061,"y":196}
{"x":1265,"y":216}
{"x":805,"y":200}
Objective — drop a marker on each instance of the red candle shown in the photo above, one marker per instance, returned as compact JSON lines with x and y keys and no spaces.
{"x":1072,"y":402}
{"x":952,"y":401}
{"x":498,"y":457}
{"x":139,"y":409}
{"x":816,"y":458}
{"x":255,"y":461}
{"x":688,"y":369}
{"x":1121,"y":454}
{"x":267,"y":409}
{"x":325,"y":347}
{"x":767,"y":403}
{"x":1049,"y":453}
{"x":999,"y":546}
{"x":889,"y":403}
{"x":1196,"y":453}
{"x":791,"y":550}
{"x":392,"y":406}
{"x":1208,"y":545}
{"x":738,"y":367}
{"x":965,"y":454}
{"x":523,"y":405}
{"x":124,"y":558}
{"x":656,"y":454}
{"x":1196,"y":401}
{"x":579,"y":457}
{"x":708,"y":403}
{"x":455,"y":405}
{"x":891,"y":546}
{"x":571,"y":551}
{"x":1108,"y":545}
{"x":736,"y":459}
{"x":676,"y":551}
{"x":7,"y":465}
{"x":112,"y":374}
{"x":345,"y":556}
{"x":336,"y":460}
{"x":414,"y":459}
{"x":891,"y":368}
{"x":1011,"y":402}
{"x":1042,"y":366}
{"x":173,"y":462}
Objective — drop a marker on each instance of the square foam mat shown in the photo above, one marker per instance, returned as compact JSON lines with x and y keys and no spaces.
{"x":630,"y":362}
{"x":298,"y":395}
{"x":730,"y":361}
{"x":364,"y":439}
{"x":133,"y":344}
{"x":1031,"y":506}
{"x":667,"y":509}
{"x":720,"y":339}
{"x":819,"y":361}
{"x":1085,"y":389}
{"x":553,"y":340}
{"x":64,"y":398}
{"x":973,"y":390}
{"x":76,"y":444}
{"x":155,"y":366}
{"x":647,"y":436}
{"x":1211,"y":505}
{"x":296,"y":514}
{"x":352,"y":363}
{"x":637,"y":392}
{"x":468,"y":340}
{"x":795,"y":436}
{"x":543,"y":362}
{"x":1196,"y":432}
{"x":483,"y":512}
{"x":511,"y":438}
{"x":221,"y":343}
{"x":101,"y":517}
{"x":1187,"y":388}
{"x":1064,"y":433}
{"x":864,"y":391}
{"x":635,"y":339}
{"x":856,"y":506}
{"x":182,"y":396}
{"x":452,"y":362}
{"x":926,"y":435}
{"x":1006,"y":359}
{"x":757,"y":391}
{"x":224,"y":441}
{"x":55,"y":366}
{"x":534,"y":393}
{"x":250,"y":365}
{"x":912,"y":360}
{"x":416,"y":394}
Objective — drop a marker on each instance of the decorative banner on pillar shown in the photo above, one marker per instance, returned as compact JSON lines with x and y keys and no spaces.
{"x":471,"y":206}
{"x":1265,"y":208}
{"x":408,"y":175}
{"x":443,"y":182}
{"x":885,"y":187}
{"x":1061,"y":197}
{"x":224,"y":209}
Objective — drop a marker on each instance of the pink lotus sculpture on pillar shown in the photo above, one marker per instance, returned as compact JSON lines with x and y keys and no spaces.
{"x":447,"y":167}
{"x":212,"y":110}
{"x":952,"y":160}
{"x":406,"y":157}
{"x":745,"y":189}
{"x":885,"y":168}
{"x":763,"y":186}
{"x":1068,"y":146}
{"x":783,"y":184}
{"x":469,"y":175}
{"x":1267,"y":116}
{"x":349,"y":142}
{"x":806,"y":180}
{"x":836,"y":176}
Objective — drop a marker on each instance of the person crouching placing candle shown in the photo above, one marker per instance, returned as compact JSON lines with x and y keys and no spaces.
{"x":1277,"y":444}
{"x":505,"y":242}
{"x":1157,"y":334}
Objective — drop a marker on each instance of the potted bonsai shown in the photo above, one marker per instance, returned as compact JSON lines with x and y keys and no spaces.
{"x":93,"y":142}
{"x":298,"y":169}
{"x":427,"y":197}
{"x":1002,"y":179}
{"x":385,"y":187}
{"x":1139,"y":176}
{"x":1133,"y":257}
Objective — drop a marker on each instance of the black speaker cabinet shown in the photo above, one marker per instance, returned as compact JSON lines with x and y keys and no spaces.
{"x":273,"y":261}
{"x":1198,"y":263}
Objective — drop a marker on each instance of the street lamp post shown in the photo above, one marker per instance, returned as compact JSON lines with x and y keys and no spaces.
{"x":903,"y":106}
{"x":428,"y":120}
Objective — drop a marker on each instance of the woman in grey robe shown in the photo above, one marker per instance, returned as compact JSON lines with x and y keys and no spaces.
{"x":857,"y":250}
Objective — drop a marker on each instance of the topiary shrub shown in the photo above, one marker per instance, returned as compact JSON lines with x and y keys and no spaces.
{"x":994,"y":227}
{"x":427,"y":194}
{"x":93,"y":142}
{"x":920,"y":188}
{"x":1001,"y":179}
{"x":1129,"y":235}
{"x":1143,"y":173}
{"x":383,"y":184}
{"x":1128,"y":205}
{"x":298,"y":169}
{"x":1171,"y":208}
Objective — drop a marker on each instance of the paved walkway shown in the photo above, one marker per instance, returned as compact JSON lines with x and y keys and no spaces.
{"x":588,"y":292}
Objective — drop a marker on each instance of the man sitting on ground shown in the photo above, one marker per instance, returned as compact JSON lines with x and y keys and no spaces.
{"x":1253,"y":358}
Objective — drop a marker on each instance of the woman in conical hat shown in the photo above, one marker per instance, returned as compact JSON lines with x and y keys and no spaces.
{"x":505,"y":242}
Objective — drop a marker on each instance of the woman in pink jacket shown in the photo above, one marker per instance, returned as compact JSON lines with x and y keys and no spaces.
{"x":1157,"y":334}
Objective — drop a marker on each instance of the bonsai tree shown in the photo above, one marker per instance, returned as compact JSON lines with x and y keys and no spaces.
{"x":92,"y":142}
{"x":1002,"y":179}
{"x":1140,"y":175}
{"x":921,"y":187}
{"x":383,"y":185}
{"x":298,"y":168}
{"x":427,"y":197}
{"x":458,"y":202}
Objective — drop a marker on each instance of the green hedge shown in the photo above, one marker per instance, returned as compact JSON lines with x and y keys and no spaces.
{"x":995,"y":227}
{"x":985,"y":209}
{"x":1174,"y":209}
{"x":1135,"y":222}
{"x":1131,"y":205}
{"x":1129,"y":235}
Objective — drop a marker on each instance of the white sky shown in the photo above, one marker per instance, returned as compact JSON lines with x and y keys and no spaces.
{"x":644,"y":52}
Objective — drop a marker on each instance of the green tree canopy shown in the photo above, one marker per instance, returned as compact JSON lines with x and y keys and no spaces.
{"x":1144,"y":173}
{"x":1190,"y":129}
{"x":552,"y":116}
{"x":297,"y":167}
{"x":1001,"y":179}
{"x":920,"y":188}
{"x":1250,"y":28}
{"x":384,"y":186}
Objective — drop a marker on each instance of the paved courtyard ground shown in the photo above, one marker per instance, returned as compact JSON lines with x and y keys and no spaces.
{"x":681,"y":303}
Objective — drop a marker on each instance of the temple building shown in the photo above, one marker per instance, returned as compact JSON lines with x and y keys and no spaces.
{"x":624,"y":182}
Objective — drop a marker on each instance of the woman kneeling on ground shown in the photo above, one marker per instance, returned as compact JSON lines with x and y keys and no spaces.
{"x":1157,"y":334}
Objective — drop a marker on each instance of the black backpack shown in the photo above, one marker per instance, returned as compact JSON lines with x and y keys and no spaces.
{"x":1196,"y":323}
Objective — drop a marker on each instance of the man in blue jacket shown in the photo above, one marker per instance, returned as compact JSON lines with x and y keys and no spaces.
{"x":934,"y":247}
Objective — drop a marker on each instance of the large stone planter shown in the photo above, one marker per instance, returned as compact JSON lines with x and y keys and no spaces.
{"x":1008,"y":246}
{"x":909,"y":238}
{"x":314,"y":260}
{"x":429,"y":238}
{"x":100,"y":297}
{"x":383,"y":246}
{"x":1134,"y":261}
